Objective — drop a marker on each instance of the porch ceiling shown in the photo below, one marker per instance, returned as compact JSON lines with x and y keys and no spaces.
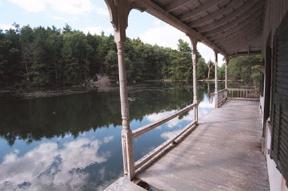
{"x":228,"y":26}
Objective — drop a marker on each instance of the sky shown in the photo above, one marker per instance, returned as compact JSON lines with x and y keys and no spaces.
{"x":92,"y":16}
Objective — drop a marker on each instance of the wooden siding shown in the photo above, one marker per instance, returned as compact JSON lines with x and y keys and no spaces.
{"x":274,"y":13}
{"x":280,"y":100}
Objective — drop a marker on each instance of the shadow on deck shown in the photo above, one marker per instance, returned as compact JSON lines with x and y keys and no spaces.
{"x":222,"y":153}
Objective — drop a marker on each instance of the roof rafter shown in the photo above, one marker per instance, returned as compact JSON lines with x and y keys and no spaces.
{"x":225,"y":9}
{"x":231,"y":17}
{"x":177,"y":4}
{"x":245,"y":53}
{"x":251,"y":33}
{"x":206,"y":6}
{"x":154,"y":9}
{"x":237,"y":27}
{"x":234,"y":30}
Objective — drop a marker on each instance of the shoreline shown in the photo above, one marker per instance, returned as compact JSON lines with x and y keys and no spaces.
{"x":45,"y":93}
{"x":42,"y":92}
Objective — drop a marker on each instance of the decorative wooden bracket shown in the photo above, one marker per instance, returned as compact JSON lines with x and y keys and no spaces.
{"x":119,"y":11}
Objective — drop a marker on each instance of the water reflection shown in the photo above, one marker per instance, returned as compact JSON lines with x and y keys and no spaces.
{"x":73,"y":142}
{"x":53,"y":165}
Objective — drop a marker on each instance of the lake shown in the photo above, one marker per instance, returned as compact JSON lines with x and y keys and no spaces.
{"x":73,"y":142}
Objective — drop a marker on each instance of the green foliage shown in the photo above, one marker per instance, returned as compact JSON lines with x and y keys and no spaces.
{"x":245,"y":69}
{"x":202,"y":68}
{"x":60,"y":57}
{"x":221,"y":72}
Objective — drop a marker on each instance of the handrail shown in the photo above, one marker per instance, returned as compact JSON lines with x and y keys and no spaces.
{"x":235,"y":93}
{"x":223,"y":90}
{"x":146,"y":128}
{"x":152,"y":154}
{"x":238,"y":93}
{"x":149,"y":158}
{"x":242,"y":89}
{"x":222,"y":96}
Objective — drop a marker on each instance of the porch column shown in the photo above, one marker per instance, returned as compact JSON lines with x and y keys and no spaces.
{"x":119,"y":11}
{"x":216,"y":79}
{"x":226,"y":75}
{"x":194,"y":64}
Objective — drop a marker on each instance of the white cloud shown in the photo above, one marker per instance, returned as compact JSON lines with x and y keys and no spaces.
{"x":170,"y":134}
{"x":63,"y":6}
{"x":172,"y":123}
{"x":6,"y":26}
{"x":165,"y":35}
{"x":30,"y":5}
{"x":158,"y":116}
{"x":50,"y":165}
{"x":60,"y":18}
{"x":102,"y":11}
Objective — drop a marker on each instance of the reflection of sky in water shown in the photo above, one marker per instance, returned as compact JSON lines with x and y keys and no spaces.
{"x":52,"y":165}
{"x":151,"y":139}
{"x":89,"y":161}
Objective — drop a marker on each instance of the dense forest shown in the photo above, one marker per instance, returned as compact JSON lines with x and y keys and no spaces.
{"x":52,"y":57}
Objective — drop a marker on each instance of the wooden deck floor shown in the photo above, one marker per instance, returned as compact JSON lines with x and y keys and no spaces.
{"x":223,"y":153}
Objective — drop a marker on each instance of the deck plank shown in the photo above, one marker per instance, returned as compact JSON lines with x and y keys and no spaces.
{"x":223,"y":153}
{"x":124,"y":184}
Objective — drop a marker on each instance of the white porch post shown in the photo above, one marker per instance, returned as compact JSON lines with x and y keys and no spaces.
{"x":216,"y":79}
{"x":226,"y":74}
{"x":119,"y":11}
{"x":194,"y":64}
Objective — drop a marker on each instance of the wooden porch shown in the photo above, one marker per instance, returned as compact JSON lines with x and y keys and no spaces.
{"x":222,"y":153}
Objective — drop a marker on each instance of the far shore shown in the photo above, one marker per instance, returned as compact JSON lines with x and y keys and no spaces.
{"x":40,"y":92}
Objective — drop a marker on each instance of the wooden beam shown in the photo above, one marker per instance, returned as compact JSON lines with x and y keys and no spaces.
{"x":237,"y":29}
{"x":226,"y":72}
{"x":194,"y":66}
{"x":236,"y":14}
{"x":205,"y":7}
{"x":216,"y":79}
{"x":240,"y":46}
{"x":244,"y":47}
{"x":245,"y":53}
{"x":119,"y":12}
{"x":141,"y":130}
{"x":239,"y":36}
{"x":223,"y":10}
{"x":157,"y":11}
{"x":236,"y":23}
{"x":177,"y":4}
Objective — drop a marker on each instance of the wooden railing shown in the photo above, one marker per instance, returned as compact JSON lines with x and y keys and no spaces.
{"x":149,"y":158}
{"x":222,"y":97}
{"x":236,"y":93}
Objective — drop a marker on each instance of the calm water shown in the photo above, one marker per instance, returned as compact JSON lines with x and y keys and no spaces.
{"x":73,"y":142}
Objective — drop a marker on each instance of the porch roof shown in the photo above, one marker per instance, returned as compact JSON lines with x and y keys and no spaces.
{"x":230,"y":27}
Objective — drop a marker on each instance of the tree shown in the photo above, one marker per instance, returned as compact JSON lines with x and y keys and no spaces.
{"x":66,"y":57}
{"x":242,"y":69}
{"x":202,"y":68}
{"x":210,"y":68}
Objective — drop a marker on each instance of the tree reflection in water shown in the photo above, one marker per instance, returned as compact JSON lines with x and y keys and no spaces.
{"x":73,"y":142}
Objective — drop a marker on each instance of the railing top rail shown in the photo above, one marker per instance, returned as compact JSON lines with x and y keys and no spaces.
{"x":242,"y":89}
{"x":220,"y":91}
{"x":146,"y":128}
{"x":223,"y":90}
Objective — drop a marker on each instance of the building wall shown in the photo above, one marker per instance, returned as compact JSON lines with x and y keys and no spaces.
{"x":276,"y":180}
{"x":275,"y":12}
